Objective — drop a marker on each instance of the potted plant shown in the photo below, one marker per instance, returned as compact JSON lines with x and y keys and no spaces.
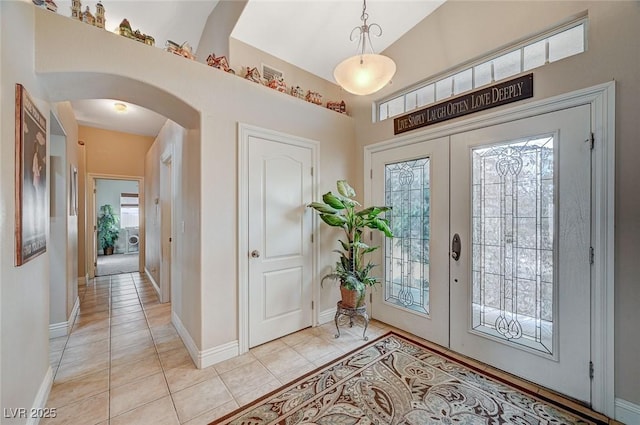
{"x":339,"y":210}
{"x":108,"y":229}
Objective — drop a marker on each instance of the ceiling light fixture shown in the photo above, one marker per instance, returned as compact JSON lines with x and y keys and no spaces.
{"x":120,"y":108}
{"x":364,"y":73}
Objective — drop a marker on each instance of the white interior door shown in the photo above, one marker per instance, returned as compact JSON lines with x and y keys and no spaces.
{"x":414,"y":180}
{"x":520,"y":290}
{"x":280,"y":186}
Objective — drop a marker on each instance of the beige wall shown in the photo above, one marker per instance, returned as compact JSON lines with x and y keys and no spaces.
{"x":113,"y":152}
{"x":243,"y":55}
{"x":24,"y":303}
{"x":216,"y":32}
{"x":459,"y":31}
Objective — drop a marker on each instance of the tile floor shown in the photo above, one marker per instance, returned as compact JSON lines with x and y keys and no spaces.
{"x":124,"y":363}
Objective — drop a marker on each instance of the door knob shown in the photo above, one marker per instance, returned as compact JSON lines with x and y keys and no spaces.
{"x":255,"y":253}
{"x":456,"y":247}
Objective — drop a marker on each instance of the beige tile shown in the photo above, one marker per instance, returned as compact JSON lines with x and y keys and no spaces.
{"x":167,"y":344}
{"x":132,"y":353}
{"x":129,"y":317}
{"x":131,"y":295}
{"x":186,"y":374}
{"x":123,"y":328}
{"x":75,"y":370}
{"x":84,"y":352}
{"x":298,"y":337}
{"x":246,"y":378}
{"x":76,"y":389}
{"x":131,"y":338}
{"x":87,"y":318}
{"x":54,"y":357}
{"x":213,"y":414}
{"x":200,"y":398}
{"x":129,"y":372}
{"x":80,"y":338}
{"x":159,"y":320}
{"x":159,"y":412}
{"x":57,"y":344}
{"x":281,"y":362}
{"x":90,"y":326}
{"x":316,"y":348}
{"x":134,"y":394}
{"x":100,"y":308}
{"x":268,"y":348}
{"x":257,"y":392}
{"x":296,"y":373}
{"x":125,"y":310}
{"x":87,"y":411}
{"x":175,"y":357}
{"x":234,"y":362}
{"x":127,"y":303}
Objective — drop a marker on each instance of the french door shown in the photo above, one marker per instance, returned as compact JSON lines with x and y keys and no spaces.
{"x":516,"y":205}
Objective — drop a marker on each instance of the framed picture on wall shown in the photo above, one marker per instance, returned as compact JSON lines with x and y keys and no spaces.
{"x":73,"y":196}
{"x":30,"y":179}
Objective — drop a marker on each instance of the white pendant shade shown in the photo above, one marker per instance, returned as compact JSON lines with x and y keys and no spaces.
{"x":364,"y":74}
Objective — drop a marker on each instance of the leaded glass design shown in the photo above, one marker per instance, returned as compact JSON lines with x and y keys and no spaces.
{"x":407,"y":254}
{"x":513,"y":241}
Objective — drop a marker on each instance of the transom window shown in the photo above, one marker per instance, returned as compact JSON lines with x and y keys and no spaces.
{"x":560,"y":43}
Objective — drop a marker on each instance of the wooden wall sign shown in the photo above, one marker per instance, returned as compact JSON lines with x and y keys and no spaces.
{"x":489,"y":97}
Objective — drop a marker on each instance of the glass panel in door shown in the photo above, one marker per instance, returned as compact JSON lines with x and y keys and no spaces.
{"x":512,"y":241}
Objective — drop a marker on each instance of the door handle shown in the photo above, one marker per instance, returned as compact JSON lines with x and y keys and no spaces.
{"x":456,"y":247}
{"x":255,"y":253}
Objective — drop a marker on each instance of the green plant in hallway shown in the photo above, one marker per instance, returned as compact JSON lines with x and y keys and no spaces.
{"x":108,"y":229}
{"x":353,"y":271}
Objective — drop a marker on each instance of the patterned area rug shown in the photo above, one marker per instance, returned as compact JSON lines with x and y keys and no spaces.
{"x":394,"y":380}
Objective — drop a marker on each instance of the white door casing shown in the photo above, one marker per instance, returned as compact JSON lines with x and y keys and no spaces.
{"x":410,"y":307}
{"x":276,"y":297}
{"x":520,"y":290}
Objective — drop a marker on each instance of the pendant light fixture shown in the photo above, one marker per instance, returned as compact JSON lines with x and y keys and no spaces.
{"x":364,"y":73}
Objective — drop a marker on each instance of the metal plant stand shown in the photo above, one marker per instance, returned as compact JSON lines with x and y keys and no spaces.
{"x":351,"y":313}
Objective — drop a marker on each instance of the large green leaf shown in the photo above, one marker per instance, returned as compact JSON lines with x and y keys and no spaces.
{"x":333,"y":220}
{"x":382,"y":225}
{"x":345,"y":190}
{"x":333,"y":201}
{"x":323,"y":208}
{"x":372,"y":211}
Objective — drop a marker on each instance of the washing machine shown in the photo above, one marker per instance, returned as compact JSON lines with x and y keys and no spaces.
{"x":133,"y":240}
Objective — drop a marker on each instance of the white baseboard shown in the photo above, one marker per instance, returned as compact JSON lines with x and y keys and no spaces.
{"x":64,"y":328}
{"x":153,"y":282}
{"x":56,"y":330}
{"x":218,"y":354}
{"x":74,"y":313}
{"x":626,"y":412}
{"x":208,"y":357}
{"x":40,"y":401}
{"x":326,"y":316}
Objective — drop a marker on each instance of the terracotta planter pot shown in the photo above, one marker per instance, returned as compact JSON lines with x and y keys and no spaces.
{"x":351,"y":298}
{"x":108,"y":250}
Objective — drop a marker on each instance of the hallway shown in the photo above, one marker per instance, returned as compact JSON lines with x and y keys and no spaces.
{"x":124,"y":362}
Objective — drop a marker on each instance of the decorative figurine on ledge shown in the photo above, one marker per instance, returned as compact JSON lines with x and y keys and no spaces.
{"x":314,"y":97}
{"x":253,"y":75}
{"x":183,"y":49}
{"x":277,"y":83}
{"x":220,"y":63}
{"x":125,"y":30}
{"x":340,"y":107}
{"x":297,"y":92}
{"x":51,"y":6}
{"x":87,"y":17}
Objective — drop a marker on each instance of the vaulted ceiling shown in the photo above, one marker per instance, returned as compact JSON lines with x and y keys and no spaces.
{"x":310,"y":34}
